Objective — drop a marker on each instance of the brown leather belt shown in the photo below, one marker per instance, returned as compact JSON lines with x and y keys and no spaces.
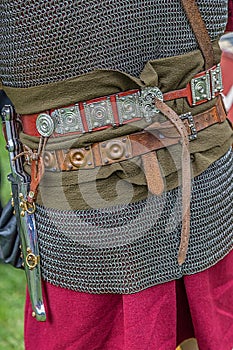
{"x":129,"y":146}
{"x":144,"y":144}
{"x":119,"y":109}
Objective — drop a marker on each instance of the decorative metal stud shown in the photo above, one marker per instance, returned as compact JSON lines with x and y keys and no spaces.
{"x":128,"y":107}
{"x":115,"y":150}
{"x":79,"y":158}
{"x":45,"y":125}
{"x":200,"y":88}
{"x":99,"y":114}
{"x":68,"y":120}
{"x":49,"y":160}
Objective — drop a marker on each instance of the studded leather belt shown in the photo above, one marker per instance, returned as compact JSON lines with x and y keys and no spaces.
{"x":157,"y":135}
{"x":127,"y":147}
{"x":119,"y":109}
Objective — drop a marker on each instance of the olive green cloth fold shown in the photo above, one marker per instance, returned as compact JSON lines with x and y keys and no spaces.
{"x":122,"y":182}
{"x":168,"y":74}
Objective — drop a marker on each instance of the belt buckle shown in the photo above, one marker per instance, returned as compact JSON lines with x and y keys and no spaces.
{"x":216,"y":80}
{"x":200,"y":88}
{"x":191,"y":124}
{"x":147,"y":103}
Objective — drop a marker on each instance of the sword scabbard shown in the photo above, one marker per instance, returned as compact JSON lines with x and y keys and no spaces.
{"x":24,"y":211}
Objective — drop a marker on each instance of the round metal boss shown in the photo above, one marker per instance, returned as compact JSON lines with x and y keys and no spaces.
{"x":45,"y":125}
{"x":99,"y":112}
{"x":49,"y":160}
{"x":129,"y":107}
{"x":77,"y":158}
{"x":115,"y":149}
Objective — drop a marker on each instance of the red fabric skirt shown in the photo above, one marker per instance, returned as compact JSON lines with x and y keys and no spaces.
{"x":158,"y":318}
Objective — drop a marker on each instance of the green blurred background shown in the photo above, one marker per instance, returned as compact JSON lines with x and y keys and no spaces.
{"x":12,"y":281}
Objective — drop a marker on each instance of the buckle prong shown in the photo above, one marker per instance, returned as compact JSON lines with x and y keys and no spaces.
{"x":191,"y":124}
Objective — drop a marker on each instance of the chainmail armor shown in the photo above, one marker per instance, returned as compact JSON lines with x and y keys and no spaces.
{"x":48,"y":41}
{"x":121,"y":250}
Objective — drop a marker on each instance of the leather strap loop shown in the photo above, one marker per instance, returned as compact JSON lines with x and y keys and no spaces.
{"x":200,"y":31}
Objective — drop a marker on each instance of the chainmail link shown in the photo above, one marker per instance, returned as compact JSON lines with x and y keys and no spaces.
{"x":48,"y":41}
{"x":122,"y":250}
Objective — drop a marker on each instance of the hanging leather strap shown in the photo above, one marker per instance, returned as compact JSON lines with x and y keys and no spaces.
{"x":200,"y":31}
{"x":186,"y":176}
{"x":153,"y":173}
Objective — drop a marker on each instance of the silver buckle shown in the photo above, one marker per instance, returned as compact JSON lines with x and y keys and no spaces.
{"x":147,"y":97}
{"x":188,"y":116}
{"x":216,"y":80}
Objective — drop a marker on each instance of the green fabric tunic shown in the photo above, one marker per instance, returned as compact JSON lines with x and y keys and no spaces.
{"x":124,"y":181}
